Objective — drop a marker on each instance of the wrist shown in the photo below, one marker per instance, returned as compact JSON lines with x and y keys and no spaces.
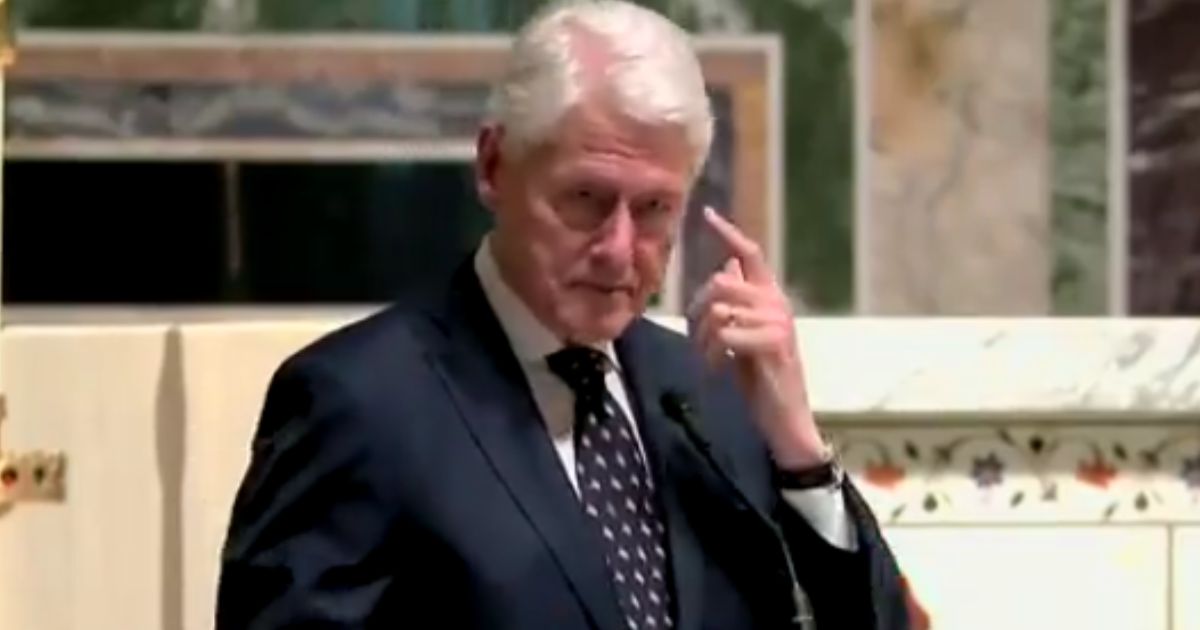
{"x":800,"y":449}
{"x":827,"y":472}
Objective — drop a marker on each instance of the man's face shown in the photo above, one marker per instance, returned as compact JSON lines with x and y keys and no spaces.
{"x":585,"y":224}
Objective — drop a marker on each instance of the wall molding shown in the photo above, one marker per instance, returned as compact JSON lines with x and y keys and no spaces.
{"x":1051,"y":474}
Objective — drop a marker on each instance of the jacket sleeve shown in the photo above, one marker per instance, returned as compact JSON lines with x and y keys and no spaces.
{"x":306,"y":540}
{"x":847,"y":589}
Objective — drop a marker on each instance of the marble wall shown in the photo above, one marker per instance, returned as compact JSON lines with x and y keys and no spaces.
{"x":1164,"y":156}
{"x":1079,"y":115}
{"x":819,"y":170}
{"x":957,"y":216}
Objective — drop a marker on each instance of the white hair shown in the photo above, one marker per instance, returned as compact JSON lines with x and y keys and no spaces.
{"x":649,"y":69}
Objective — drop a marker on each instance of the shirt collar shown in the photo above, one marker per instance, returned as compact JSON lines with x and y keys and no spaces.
{"x":530,"y":339}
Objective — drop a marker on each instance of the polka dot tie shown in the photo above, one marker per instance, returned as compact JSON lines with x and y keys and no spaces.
{"x":616,"y":492}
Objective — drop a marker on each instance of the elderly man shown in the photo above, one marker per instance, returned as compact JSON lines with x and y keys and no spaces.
{"x":523,"y":450}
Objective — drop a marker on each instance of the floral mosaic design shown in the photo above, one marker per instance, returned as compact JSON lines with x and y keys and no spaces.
{"x":1116,"y":473}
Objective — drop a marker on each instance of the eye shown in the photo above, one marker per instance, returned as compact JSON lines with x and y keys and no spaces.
{"x":654,"y":206}
{"x":585,"y":205}
{"x":587,"y":195}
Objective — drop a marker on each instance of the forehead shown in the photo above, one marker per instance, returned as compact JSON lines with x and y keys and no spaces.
{"x":593,"y":141}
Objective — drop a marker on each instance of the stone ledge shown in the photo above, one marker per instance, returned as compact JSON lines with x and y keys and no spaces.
{"x":1031,"y":368}
{"x":886,"y":369}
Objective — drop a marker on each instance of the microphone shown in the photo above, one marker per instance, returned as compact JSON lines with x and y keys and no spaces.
{"x":676,"y":407}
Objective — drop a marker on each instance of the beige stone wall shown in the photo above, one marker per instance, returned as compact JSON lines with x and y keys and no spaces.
{"x":957,"y":210}
{"x":103,"y":559}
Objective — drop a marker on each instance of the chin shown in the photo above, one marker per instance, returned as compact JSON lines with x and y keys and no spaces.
{"x":592,"y":327}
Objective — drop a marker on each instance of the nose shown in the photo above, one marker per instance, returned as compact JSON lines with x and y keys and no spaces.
{"x":614,"y":245}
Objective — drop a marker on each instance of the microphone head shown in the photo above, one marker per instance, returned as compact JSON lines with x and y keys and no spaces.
{"x":675,"y":405}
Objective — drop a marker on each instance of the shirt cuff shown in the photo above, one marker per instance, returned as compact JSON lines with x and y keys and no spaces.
{"x":825,"y":510}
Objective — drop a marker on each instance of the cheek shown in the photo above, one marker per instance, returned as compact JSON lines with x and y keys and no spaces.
{"x":559,"y":259}
{"x":651,"y":260}
{"x":549,"y":260}
{"x":549,"y":243}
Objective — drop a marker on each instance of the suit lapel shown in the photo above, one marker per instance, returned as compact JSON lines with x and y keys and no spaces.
{"x":646,"y":382}
{"x":487,"y":384}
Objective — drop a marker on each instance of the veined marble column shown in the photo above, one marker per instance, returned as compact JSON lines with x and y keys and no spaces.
{"x":1164,"y":157}
{"x":955,"y":208}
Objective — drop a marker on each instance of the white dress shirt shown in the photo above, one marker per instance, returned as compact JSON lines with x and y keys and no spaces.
{"x":823,"y":508}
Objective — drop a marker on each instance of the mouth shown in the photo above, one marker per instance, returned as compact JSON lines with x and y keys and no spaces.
{"x":608,"y":290}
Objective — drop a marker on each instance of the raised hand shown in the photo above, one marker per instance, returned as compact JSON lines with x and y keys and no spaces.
{"x":742,"y":315}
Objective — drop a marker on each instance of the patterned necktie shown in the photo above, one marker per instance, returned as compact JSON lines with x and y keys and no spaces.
{"x":616,"y":492}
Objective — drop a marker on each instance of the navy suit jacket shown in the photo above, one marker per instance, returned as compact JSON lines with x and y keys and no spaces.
{"x":401,"y":477}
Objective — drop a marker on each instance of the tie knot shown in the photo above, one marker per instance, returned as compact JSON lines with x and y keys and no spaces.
{"x":581,"y":368}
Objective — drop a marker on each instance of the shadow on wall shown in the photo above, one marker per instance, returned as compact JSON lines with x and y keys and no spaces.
{"x":171,"y":417}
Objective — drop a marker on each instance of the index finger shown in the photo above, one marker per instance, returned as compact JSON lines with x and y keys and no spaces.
{"x":741,"y":247}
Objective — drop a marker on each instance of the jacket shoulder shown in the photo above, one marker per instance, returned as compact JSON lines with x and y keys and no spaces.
{"x":383,"y":345}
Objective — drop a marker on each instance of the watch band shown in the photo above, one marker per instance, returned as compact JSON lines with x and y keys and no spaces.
{"x":824,"y":475}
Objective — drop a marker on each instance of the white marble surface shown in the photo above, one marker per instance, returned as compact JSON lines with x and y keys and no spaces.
{"x":1038,"y":578}
{"x":1186,"y":578}
{"x":1044,"y":367}
{"x":877,"y":367}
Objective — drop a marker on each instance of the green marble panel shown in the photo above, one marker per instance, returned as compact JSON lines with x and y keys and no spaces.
{"x":393,"y":15}
{"x":110,"y":14}
{"x":818,"y":116}
{"x":417,"y":15}
{"x":1079,"y":130}
{"x":818,"y":146}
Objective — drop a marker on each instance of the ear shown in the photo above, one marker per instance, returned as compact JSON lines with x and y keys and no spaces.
{"x":488,"y":161}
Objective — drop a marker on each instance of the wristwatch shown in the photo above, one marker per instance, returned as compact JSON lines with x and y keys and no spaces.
{"x":828,"y":474}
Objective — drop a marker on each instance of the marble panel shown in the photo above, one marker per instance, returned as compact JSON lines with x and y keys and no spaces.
{"x":111,"y":14}
{"x":1022,"y":367}
{"x":1185,"y":578}
{"x":957,"y":214}
{"x":108,"y":555}
{"x":818,"y":154}
{"x":393,"y":15}
{"x":1079,"y":114}
{"x":1164,"y":157}
{"x":1027,"y":473}
{"x":239,"y":111}
{"x":1037,"y":578}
